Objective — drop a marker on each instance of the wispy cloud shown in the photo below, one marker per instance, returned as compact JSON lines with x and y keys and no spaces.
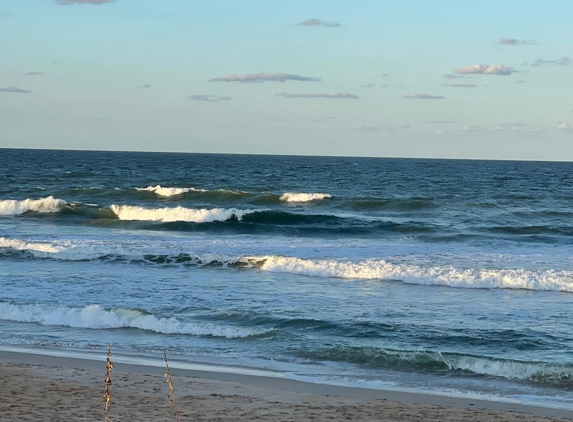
{"x":340,"y":95}
{"x":144,"y":86}
{"x":450,"y":76}
{"x":473,"y":128}
{"x":424,"y":96}
{"x":318,"y":22}
{"x":521,"y":82}
{"x":512,"y":124}
{"x":386,"y":74}
{"x":84,"y":1}
{"x":261,"y":77}
{"x":447,"y":121}
{"x":563,"y":126}
{"x":485,"y":69}
{"x":563,"y":61}
{"x":370,"y":85}
{"x":367,"y":128}
{"x":33,"y":73}
{"x":514,"y":41}
{"x":14,"y":89}
{"x":462,"y":85}
{"x":209,"y":98}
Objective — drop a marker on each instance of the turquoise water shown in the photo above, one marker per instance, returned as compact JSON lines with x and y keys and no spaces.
{"x":448,"y":276}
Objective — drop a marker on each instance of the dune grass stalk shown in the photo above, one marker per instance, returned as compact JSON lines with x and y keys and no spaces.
{"x":107,"y":394}
{"x":171,"y":395}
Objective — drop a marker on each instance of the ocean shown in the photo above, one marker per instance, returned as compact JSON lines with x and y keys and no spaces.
{"x":445,"y":276}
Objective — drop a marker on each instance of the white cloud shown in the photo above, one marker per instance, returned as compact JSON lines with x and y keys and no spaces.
{"x":320,"y":95}
{"x":563,"y":126}
{"x":485,"y":69}
{"x":318,"y":22}
{"x":424,"y":96}
{"x":209,"y":98}
{"x":261,"y":77}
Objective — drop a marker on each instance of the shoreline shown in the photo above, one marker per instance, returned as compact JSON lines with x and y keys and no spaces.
{"x":242,"y":390}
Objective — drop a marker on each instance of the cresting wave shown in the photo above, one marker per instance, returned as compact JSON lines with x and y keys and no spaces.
{"x":446,"y":275}
{"x":436,"y":361}
{"x":127,"y":212}
{"x":303,"y":197}
{"x":161,"y":191}
{"x":42,"y":205}
{"x":97,"y":318}
{"x":477,"y":278}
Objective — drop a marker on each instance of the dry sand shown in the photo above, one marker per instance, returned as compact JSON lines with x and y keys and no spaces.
{"x":44,"y":388}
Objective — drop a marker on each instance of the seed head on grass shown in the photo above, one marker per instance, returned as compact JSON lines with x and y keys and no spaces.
{"x":107,"y":395}
{"x":171,"y":395}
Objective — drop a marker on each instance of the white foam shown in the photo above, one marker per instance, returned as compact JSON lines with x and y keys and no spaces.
{"x":478,"y":278}
{"x":44,"y":205}
{"x":303,"y":197}
{"x":161,"y":191}
{"x":22,"y":245}
{"x":127,"y":212}
{"x":97,"y":318}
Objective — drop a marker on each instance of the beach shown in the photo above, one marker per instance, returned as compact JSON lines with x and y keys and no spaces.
{"x":47,"y":388}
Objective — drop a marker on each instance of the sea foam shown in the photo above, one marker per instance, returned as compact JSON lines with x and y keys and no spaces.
{"x":43,"y":205}
{"x":303,"y":197}
{"x":97,"y":318}
{"x":127,"y":212}
{"x":164,"y":191}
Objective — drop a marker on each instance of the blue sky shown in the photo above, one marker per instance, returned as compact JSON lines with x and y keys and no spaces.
{"x":413,"y":78}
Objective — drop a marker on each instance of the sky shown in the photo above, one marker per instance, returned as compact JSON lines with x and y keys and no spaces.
{"x":411,"y":78}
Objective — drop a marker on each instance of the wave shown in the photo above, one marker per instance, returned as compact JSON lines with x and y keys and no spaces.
{"x":477,"y":278}
{"x":127,"y":212}
{"x":436,"y":361}
{"x":42,"y":205}
{"x":96,"y":318}
{"x":303,"y":197}
{"x":161,"y":191}
{"x":372,"y":269}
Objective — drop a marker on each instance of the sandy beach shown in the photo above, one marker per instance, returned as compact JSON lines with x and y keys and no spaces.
{"x":46,"y":388}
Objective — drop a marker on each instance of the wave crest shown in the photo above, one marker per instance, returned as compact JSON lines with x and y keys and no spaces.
{"x":97,"y":318}
{"x":42,"y":205}
{"x":477,"y":278}
{"x":128,"y":212}
{"x":164,"y":191}
{"x":303,"y":197}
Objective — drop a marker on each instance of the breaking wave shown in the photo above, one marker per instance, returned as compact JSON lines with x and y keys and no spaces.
{"x":436,"y":361}
{"x":42,"y":205}
{"x":161,"y":191}
{"x":477,"y":278}
{"x":96,"y":318}
{"x":373,"y":269}
{"x":127,"y":212}
{"x":303,"y":197}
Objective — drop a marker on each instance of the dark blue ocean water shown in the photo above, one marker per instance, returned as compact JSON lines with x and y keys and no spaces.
{"x":440,"y":275}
